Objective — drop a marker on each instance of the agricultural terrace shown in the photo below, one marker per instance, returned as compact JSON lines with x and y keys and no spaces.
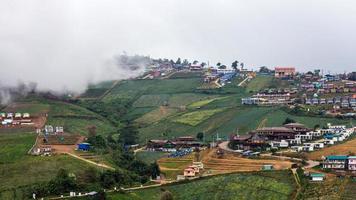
{"x":76,"y":119}
{"x":199,"y":104}
{"x":258,"y":185}
{"x":19,"y":171}
{"x":133,"y":89}
{"x":348,"y":147}
{"x":171,"y":167}
{"x":196,"y":117}
{"x":97,"y":90}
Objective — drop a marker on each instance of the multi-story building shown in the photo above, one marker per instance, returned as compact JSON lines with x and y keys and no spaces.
{"x":352,"y":163}
{"x":335,"y":162}
{"x":284,"y":72}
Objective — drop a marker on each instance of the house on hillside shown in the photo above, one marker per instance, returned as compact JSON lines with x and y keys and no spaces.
{"x":276,"y":133}
{"x":248,"y":142}
{"x":352,"y":163}
{"x":297,"y":127}
{"x":284,"y":72}
{"x":84,"y":146}
{"x":317,"y":177}
{"x":189,"y":172}
{"x":335,"y":162}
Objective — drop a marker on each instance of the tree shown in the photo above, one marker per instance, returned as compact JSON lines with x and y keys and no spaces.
{"x":242,"y":65}
{"x":222,"y":67}
{"x":129,"y":134}
{"x":316,"y":127}
{"x":352,"y":76}
{"x":178,"y":61}
{"x":288,"y":120}
{"x":97,"y":141}
{"x":203,"y":64}
{"x":195,"y":62}
{"x":200,"y":136}
{"x":62,"y":183}
{"x":218,"y":64}
{"x":154,"y":167}
{"x":235,"y":64}
{"x":166,"y":195}
{"x":185,"y":62}
{"x":264,"y":69}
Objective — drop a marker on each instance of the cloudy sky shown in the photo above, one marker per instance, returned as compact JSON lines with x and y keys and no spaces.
{"x":66,"y":43}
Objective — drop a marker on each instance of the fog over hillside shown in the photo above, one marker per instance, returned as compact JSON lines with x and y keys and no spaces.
{"x":65,"y":44}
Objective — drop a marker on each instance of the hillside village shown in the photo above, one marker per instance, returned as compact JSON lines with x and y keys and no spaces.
{"x":186,"y":144}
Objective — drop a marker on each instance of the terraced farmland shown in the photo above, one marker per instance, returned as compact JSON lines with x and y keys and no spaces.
{"x":261,"y":185}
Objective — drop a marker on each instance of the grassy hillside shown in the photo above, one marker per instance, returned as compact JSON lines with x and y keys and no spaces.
{"x":259,"y":83}
{"x":76,"y":119}
{"x":263,"y":185}
{"x":18,"y":170}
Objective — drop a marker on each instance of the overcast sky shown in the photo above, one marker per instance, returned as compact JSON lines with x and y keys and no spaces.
{"x":65,"y":43}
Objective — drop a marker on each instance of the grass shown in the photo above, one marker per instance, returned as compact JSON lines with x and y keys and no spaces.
{"x":14,"y":146}
{"x":33,"y":108}
{"x":196,"y":117}
{"x":258,"y":83}
{"x":130,"y":89}
{"x":76,"y":119}
{"x":156,"y":115}
{"x":263,"y":185}
{"x":150,"y":156}
{"x":19,"y":170}
{"x":201,"y":103}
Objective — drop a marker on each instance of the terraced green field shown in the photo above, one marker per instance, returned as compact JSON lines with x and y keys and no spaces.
{"x":263,"y":185}
{"x":196,"y":117}
{"x":76,"y":119}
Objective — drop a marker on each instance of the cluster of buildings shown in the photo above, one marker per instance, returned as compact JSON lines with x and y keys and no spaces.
{"x":191,"y":171}
{"x":293,"y":135}
{"x":222,"y":76}
{"x":49,"y":130}
{"x":340,"y":162}
{"x":342,"y":102}
{"x":14,"y":119}
{"x":268,"y":99}
{"x":322,"y":87}
{"x":184,"y":142}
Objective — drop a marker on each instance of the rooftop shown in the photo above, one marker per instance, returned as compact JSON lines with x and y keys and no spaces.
{"x":333,"y":157}
{"x":317,"y":175}
{"x":278,"y":129}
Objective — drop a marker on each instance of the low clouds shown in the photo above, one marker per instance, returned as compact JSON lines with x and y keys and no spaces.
{"x":65,"y":44}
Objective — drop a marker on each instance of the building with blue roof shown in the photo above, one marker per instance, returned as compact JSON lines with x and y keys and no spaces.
{"x":317,"y":176}
{"x":84,"y":146}
{"x":335,"y":162}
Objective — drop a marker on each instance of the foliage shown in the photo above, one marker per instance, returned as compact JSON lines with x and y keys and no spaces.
{"x":200,"y":136}
{"x":129,"y":134}
{"x":288,"y":121}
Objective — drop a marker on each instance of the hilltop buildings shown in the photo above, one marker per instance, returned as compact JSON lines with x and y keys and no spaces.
{"x":284,"y":72}
{"x":173,"y":145}
{"x":293,"y":135}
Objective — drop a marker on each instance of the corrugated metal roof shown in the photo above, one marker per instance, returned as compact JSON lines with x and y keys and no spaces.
{"x":333,"y":157}
{"x":317,"y":175}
